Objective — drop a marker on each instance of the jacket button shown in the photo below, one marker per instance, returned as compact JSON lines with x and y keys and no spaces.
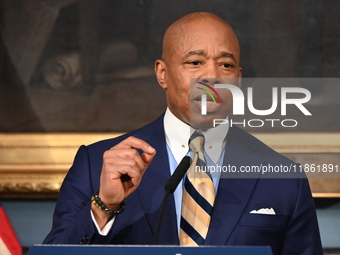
{"x":85,"y":239}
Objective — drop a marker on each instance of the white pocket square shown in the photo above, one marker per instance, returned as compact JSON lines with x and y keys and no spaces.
{"x":264,"y":211}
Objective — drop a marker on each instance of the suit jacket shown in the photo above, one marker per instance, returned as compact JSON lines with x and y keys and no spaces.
{"x":293,"y":230}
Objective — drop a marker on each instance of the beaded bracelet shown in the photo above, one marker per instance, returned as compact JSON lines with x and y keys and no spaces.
{"x":99,"y":203}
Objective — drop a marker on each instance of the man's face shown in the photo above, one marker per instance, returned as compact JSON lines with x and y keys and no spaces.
{"x":201,"y":55}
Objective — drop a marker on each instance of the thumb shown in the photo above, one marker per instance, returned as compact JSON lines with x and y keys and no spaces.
{"x":149,"y":155}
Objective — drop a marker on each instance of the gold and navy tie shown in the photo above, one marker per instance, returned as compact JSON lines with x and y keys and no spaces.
{"x":198,"y":196}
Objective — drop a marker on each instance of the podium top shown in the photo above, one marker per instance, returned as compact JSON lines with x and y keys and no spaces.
{"x":147,"y":249}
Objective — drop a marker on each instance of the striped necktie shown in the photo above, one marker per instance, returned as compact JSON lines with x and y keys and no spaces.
{"x":198,"y":197}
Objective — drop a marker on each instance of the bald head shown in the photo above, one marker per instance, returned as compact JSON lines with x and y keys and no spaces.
{"x":194,"y":23}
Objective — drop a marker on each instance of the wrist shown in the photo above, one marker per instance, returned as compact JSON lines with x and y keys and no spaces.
{"x":96,"y":201}
{"x":100,"y":217}
{"x":109,"y":202}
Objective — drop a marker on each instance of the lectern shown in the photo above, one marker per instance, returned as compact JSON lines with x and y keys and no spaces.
{"x":147,"y":250}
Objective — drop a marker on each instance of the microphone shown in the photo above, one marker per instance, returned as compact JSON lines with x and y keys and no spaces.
{"x":170,"y":187}
{"x":177,"y":176}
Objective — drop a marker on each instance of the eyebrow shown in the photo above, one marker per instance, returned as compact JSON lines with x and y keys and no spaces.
{"x":228,"y":55}
{"x":195,"y":52}
{"x":202,"y":52}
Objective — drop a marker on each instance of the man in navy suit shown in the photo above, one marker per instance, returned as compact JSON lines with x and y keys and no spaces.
{"x":134,"y":168}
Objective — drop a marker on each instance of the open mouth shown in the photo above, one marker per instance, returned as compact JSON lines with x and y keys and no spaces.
{"x":212,"y":104}
{"x":209,"y":99}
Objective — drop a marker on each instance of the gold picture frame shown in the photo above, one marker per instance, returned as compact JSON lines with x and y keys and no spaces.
{"x":34,"y":165}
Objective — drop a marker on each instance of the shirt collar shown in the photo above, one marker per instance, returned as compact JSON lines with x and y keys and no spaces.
{"x":177,"y":134}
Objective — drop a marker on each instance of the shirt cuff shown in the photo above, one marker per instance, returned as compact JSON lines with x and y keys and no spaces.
{"x":106,"y":228}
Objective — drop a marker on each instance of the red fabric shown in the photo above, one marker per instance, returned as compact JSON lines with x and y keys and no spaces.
{"x":7,"y":234}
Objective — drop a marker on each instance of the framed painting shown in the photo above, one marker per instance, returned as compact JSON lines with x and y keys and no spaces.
{"x":73,"y":72}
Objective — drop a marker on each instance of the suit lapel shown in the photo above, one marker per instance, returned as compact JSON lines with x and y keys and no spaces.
{"x":145,"y":202}
{"x":233,"y":193}
{"x":151,"y":192}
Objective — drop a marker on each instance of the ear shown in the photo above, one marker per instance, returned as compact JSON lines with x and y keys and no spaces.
{"x":160,"y":70}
